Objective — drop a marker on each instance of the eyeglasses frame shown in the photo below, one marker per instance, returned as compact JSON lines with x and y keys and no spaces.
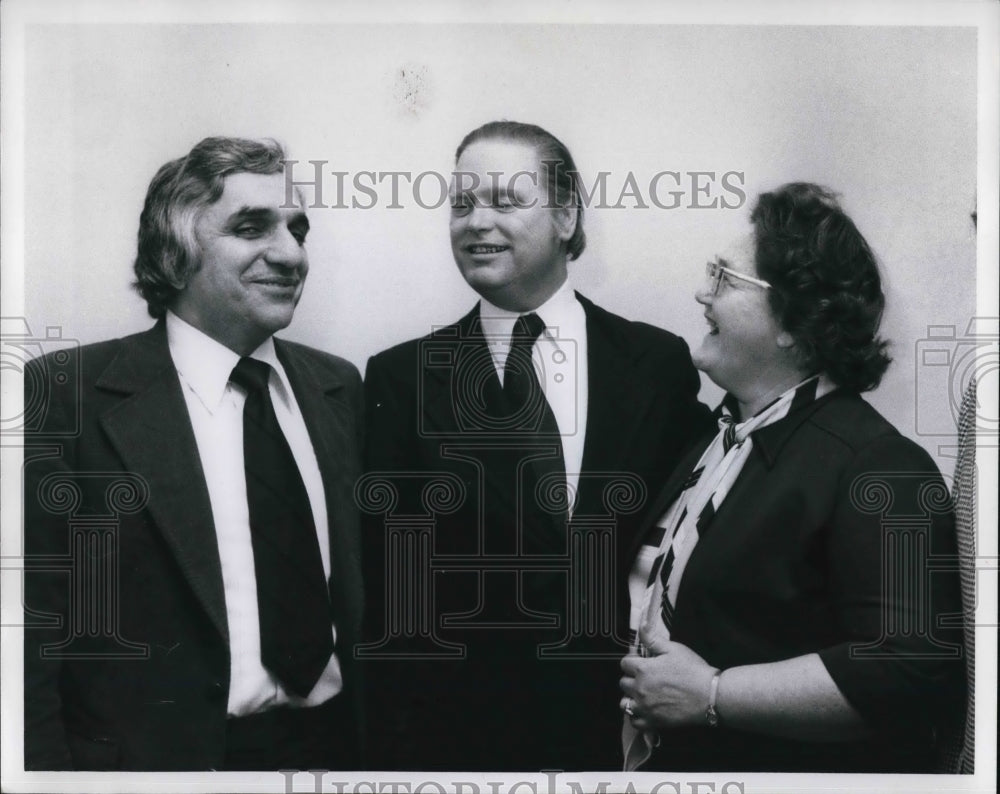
{"x":716,"y":270}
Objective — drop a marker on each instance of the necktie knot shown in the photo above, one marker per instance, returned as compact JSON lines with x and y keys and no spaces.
{"x":251,"y":374}
{"x":520,"y":382}
{"x":519,"y":373}
{"x":527,"y":329}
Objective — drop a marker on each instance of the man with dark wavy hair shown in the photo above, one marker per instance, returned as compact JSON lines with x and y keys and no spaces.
{"x":525,"y":437}
{"x":215,"y":631}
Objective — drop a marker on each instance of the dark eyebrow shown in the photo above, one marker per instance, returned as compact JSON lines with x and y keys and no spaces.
{"x":247,"y":213}
{"x":299,"y":222}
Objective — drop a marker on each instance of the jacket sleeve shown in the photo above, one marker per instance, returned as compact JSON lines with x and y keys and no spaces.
{"x":892,"y":555}
{"x":390,"y":405}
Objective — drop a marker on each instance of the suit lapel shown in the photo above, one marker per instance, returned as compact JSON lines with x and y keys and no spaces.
{"x":455,"y":364}
{"x":333,"y":432}
{"x":461,"y":400}
{"x":151,"y":431}
{"x":617,"y":404}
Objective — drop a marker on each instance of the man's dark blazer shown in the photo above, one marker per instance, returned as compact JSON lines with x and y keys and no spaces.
{"x":114,"y":492}
{"x":499,"y":707}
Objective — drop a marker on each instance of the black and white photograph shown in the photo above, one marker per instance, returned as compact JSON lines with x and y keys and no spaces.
{"x":482,"y":398}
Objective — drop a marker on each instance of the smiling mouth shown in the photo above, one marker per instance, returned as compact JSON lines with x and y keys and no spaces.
{"x":482,"y":248}
{"x":278,"y":283}
{"x":713,"y":329}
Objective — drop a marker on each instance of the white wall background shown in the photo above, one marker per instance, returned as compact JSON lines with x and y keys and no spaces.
{"x":884,"y":115}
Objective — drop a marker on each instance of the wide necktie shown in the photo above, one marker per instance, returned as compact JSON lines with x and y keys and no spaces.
{"x":296,"y":637}
{"x":532,"y":415}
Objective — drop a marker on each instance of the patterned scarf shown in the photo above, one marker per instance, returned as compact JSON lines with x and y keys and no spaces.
{"x":701,"y":495}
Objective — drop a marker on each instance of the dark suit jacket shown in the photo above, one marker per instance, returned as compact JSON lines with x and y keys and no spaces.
{"x":498,"y":705}
{"x":838,"y":539}
{"x":137,"y":677}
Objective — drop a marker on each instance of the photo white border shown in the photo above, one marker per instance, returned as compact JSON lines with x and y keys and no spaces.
{"x":16,"y":14}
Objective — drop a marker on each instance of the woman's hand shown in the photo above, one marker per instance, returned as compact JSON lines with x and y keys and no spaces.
{"x":666,"y":691}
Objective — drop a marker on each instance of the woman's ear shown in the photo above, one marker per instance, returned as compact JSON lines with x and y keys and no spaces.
{"x":785,"y":340}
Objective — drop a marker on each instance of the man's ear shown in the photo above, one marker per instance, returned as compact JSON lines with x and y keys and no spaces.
{"x":565,"y":219}
{"x":181,"y":269}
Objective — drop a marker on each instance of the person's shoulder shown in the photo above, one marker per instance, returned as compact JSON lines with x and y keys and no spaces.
{"x":83,"y":362}
{"x":640,"y":337}
{"x":846,"y":415}
{"x":404,"y":355}
{"x":315,"y":359}
{"x":70,"y":384}
{"x":864,"y":432}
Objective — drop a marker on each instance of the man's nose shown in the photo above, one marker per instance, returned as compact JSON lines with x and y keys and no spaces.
{"x":284,"y":249}
{"x":480,"y":217}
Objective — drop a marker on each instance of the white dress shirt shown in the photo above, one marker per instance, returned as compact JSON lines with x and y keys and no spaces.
{"x":560,"y":358}
{"x":216,"y":409}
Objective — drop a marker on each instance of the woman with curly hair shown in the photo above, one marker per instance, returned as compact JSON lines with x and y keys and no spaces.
{"x":785,"y":600}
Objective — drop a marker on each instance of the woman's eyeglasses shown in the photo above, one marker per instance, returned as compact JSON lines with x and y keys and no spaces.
{"x":716,"y":272}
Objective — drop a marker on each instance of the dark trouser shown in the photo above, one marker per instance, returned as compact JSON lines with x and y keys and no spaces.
{"x":322,"y":737}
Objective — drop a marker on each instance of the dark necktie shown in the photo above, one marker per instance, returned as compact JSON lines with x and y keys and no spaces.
{"x":296,"y":637}
{"x":530,"y":410}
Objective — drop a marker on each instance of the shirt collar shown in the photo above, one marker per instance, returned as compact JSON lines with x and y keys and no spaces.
{"x":556,"y":312}
{"x":770,"y":438}
{"x":205,"y":363}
